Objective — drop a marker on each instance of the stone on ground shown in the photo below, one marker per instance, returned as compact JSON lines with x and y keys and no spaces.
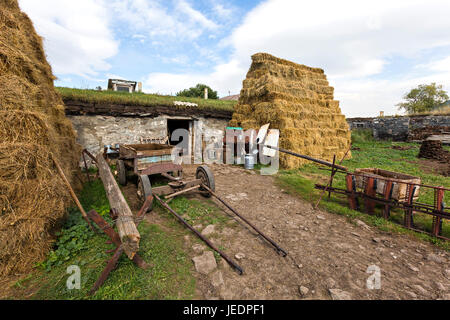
{"x":205,"y":263}
{"x":303,"y":291}
{"x":208,"y":230}
{"x":217,"y":279}
{"x":338,"y":294}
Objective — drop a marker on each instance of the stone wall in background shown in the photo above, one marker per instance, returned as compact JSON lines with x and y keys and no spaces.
{"x":402,"y":128}
{"x":96,"y":131}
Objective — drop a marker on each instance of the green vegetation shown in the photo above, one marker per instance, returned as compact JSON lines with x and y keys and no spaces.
{"x":204,"y":212}
{"x":141,"y":99}
{"x":168,"y":277}
{"x":198,"y":92}
{"x":369,"y":153}
{"x":424,"y":98}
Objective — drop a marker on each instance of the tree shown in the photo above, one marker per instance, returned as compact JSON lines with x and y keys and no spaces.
{"x":423,"y":98}
{"x":198,"y":92}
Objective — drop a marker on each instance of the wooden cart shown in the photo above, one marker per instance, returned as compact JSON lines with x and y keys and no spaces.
{"x":145,"y":160}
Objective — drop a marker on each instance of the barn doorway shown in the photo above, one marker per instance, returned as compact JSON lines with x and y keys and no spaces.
{"x":173,"y":124}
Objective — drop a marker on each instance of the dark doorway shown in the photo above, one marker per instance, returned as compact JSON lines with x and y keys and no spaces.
{"x":172,"y":125}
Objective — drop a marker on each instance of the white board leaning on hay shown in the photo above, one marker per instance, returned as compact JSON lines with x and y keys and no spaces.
{"x":269,"y":138}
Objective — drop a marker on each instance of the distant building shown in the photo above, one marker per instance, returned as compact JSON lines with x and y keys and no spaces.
{"x":124,"y":85}
{"x":234,"y":97}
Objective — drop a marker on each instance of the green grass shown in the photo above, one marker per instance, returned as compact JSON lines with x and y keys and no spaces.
{"x":204,"y":212}
{"x":141,"y":99}
{"x":196,"y":212}
{"x":371,"y":154}
{"x":169,"y":276}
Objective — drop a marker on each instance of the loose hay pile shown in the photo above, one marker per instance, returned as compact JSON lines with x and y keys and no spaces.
{"x":432,"y":149}
{"x":33,"y":126}
{"x":297,"y":100}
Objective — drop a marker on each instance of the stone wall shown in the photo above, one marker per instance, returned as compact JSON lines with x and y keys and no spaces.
{"x":96,"y":131}
{"x":401,"y":128}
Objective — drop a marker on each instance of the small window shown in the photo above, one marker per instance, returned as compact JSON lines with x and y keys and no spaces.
{"x":122,"y":88}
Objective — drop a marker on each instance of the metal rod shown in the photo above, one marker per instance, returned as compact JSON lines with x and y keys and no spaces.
{"x":168,"y":176}
{"x":325,"y":163}
{"x":112,"y":263}
{"x":181,"y":192}
{"x":334,"y":170}
{"x":90,"y":155}
{"x":279,"y":249}
{"x":231,"y":262}
{"x":110,"y":266}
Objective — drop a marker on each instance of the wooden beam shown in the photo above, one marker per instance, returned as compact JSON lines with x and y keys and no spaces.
{"x":128,"y":233}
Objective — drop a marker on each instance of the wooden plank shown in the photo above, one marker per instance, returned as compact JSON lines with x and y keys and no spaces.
{"x":387,"y":196}
{"x":370,"y":190}
{"x":150,"y":153}
{"x":352,"y":197}
{"x":408,"y":218}
{"x":437,"y":221}
{"x":128,"y":233}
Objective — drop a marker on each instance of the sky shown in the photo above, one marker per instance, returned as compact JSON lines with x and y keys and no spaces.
{"x":373,"y":52}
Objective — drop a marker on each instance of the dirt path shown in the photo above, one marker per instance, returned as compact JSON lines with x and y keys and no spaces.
{"x":325,"y":251}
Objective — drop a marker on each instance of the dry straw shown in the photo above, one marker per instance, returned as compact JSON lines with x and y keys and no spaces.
{"x":33,"y":127}
{"x":297,"y":100}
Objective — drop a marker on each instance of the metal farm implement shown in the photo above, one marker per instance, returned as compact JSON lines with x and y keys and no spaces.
{"x":203,"y":183}
{"x":374,"y":186}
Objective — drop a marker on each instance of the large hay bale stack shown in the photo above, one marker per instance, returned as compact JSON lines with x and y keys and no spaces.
{"x":33,"y":127}
{"x":297,"y":100}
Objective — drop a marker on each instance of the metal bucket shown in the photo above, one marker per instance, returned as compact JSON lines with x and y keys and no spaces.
{"x":249,"y":161}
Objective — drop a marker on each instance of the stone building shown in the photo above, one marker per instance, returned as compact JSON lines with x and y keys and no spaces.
{"x":98,"y":125}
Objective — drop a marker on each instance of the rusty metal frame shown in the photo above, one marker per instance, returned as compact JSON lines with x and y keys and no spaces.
{"x":114,"y":238}
{"x":436,"y":210}
{"x":158,"y":168}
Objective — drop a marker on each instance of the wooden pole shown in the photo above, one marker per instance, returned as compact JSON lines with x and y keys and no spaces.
{"x":333,"y":172}
{"x":72,"y":193}
{"x":128,"y":233}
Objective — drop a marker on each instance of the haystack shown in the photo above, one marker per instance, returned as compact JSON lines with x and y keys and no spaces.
{"x":298,"y":101}
{"x":33,"y":128}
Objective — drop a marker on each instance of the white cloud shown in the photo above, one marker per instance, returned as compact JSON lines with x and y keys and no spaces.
{"x":440,"y":65}
{"x":159,"y":21}
{"x":76,"y":35}
{"x":223,"y":11}
{"x":114,"y":76}
{"x":195,"y":15}
{"x":224,"y":77}
{"x":352,"y":40}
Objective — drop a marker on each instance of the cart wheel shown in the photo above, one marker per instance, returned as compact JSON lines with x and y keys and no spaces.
{"x":122,"y":172}
{"x":144,"y":189}
{"x":207,"y":177}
